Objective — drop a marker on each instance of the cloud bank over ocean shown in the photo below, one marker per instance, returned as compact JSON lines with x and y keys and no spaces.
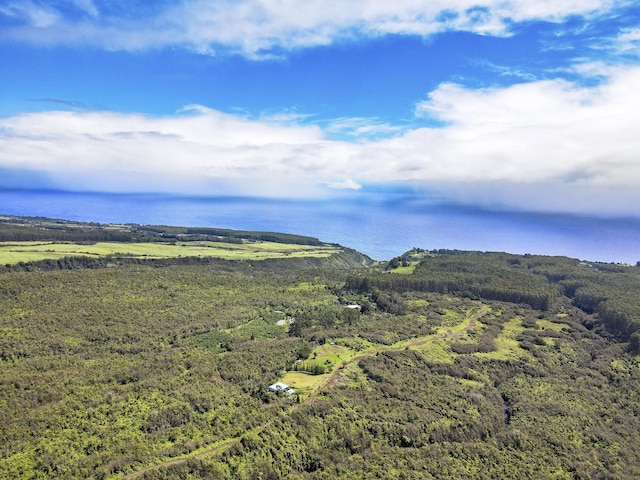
{"x":557,"y":133}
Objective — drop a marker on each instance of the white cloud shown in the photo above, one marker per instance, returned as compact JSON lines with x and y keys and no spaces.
{"x":259,"y":28}
{"x":360,"y":128}
{"x":345,"y":185}
{"x":186,"y":152}
{"x":515,"y":72}
{"x":538,"y":131}
{"x":86,"y":6}
{"x":547,"y":144}
{"x":628,"y":42}
{"x":33,"y":14}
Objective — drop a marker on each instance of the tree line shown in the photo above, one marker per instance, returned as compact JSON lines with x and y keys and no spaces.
{"x":608,"y":290}
{"x":14,"y":229}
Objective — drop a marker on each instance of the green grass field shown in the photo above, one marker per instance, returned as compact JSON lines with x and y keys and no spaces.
{"x":408,"y":270}
{"x":14,"y":252}
{"x":507,"y":347}
{"x":339,"y":354}
{"x":548,"y":325}
{"x":304,"y":383}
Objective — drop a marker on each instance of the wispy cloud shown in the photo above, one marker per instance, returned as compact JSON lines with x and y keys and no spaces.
{"x":345,"y":185}
{"x":58,"y":102}
{"x":31,"y":15}
{"x":519,"y":72}
{"x":261,"y":29}
{"x":86,"y":6}
{"x":626,"y":43}
{"x":362,"y":129}
{"x":550,"y":142}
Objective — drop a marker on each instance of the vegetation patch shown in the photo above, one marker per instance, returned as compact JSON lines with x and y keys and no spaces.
{"x":307,"y":287}
{"x":553,"y":326}
{"x":259,"y":328}
{"x":324,"y":359}
{"x":158,"y":370}
{"x":333,"y":353}
{"x":216,"y":341}
{"x":353,"y":377}
{"x":417,"y":304}
{"x":439,"y":351}
{"x":247,"y":250}
{"x":507,"y":346}
{"x":405,"y":269}
{"x":303,"y":383}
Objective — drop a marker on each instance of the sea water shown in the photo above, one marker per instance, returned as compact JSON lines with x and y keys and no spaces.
{"x":381,"y":227}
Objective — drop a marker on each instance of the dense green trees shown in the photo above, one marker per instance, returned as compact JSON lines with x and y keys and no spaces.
{"x":110,"y":370}
{"x":13,"y":229}
{"x":474,"y":275}
{"x":99,"y":373}
{"x":609,"y":290}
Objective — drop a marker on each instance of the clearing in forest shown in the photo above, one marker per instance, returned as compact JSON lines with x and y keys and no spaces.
{"x":14,"y":252}
{"x":334,"y":356}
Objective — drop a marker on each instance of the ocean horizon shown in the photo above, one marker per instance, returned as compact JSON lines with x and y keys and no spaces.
{"x":379,"y":226}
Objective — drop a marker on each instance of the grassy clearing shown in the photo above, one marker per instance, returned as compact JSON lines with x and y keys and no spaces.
{"x":451,"y":320}
{"x":303,"y":383}
{"x":507,"y":347}
{"x":329,"y":356}
{"x":336,"y":355}
{"x":619,"y":365}
{"x":14,"y":252}
{"x":548,"y":325}
{"x":353,"y":377}
{"x":332,"y":357}
{"x":451,"y":329}
{"x":258,"y":329}
{"x":307,"y":287}
{"x":416,"y":305}
{"x":437,"y":351}
{"x":408,"y":270}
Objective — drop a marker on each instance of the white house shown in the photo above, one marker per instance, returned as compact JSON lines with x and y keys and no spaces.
{"x":281,"y":387}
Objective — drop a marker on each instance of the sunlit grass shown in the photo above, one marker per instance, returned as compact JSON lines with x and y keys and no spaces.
{"x":418,"y":304}
{"x":507,"y":347}
{"x":548,"y":325}
{"x":306,"y":287}
{"x":406,"y":270}
{"x":303,"y":383}
{"x":437,"y":351}
{"x":334,"y":355}
{"x":14,"y":252}
{"x":470,"y":383}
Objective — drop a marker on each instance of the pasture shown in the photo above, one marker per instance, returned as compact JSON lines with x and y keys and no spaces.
{"x":14,"y":252}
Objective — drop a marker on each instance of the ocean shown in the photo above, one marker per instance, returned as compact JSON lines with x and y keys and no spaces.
{"x":379,"y":226}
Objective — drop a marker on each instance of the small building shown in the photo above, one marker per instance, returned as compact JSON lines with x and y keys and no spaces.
{"x":279,"y":387}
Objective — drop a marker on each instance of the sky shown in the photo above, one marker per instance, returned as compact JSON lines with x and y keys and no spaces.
{"x":512,"y":104}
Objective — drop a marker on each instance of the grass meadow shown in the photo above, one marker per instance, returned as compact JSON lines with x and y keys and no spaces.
{"x":14,"y":252}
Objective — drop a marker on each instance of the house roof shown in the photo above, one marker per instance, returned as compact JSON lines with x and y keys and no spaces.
{"x":280,"y":387}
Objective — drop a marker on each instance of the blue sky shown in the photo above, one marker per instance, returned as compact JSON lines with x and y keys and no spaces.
{"x":517,"y":104}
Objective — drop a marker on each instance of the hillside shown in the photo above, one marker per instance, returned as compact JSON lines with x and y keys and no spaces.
{"x":28,"y":243}
{"x":439,"y":364}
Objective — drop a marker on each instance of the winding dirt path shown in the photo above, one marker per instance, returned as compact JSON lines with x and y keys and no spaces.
{"x":219,"y":447}
{"x":333,"y":379}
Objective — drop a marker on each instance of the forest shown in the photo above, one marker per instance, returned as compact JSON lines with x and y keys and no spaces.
{"x":435,"y":364}
{"x":14,"y":228}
